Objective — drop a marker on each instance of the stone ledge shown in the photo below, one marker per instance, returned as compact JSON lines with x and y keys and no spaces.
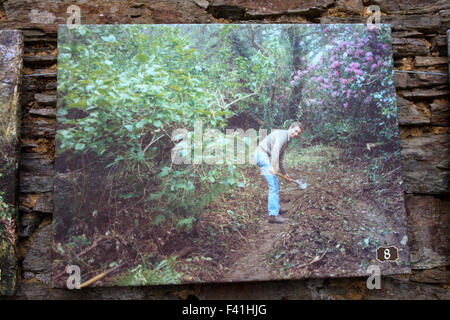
{"x":35,"y":184}
{"x":428,"y":231}
{"x":240,"y":9}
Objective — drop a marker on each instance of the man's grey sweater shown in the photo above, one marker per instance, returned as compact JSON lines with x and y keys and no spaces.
{"x":274,"y":145}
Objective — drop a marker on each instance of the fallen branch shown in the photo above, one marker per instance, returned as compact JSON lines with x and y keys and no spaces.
{"x":98,"y":277}
{"x":391,"y":172}
{"x":92,"y":246}
{"x":371,"y":145}
{"x":316,"y":259}
{"x":241,"y":235}
{"x":232,"y":102}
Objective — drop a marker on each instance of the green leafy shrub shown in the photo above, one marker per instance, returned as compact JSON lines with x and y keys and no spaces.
{"x":123,"y":90}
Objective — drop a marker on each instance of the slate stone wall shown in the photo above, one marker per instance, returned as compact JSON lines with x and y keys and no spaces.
{"x":420,"y":44}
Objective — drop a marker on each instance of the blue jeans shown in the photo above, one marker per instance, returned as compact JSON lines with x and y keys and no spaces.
{"x":273,"y":199}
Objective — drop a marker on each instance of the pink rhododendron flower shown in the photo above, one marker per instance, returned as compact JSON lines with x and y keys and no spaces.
{"x":292,"y":83}
{"x":334,"y":65}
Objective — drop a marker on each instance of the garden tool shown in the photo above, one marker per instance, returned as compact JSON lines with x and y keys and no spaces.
{"x":301,"y":184}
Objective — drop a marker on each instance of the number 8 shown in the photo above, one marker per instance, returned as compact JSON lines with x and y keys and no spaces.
{"x":387,"y":254}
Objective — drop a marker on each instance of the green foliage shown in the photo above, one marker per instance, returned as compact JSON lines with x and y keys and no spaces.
{"x":123,"y":91}
{"x":186,"y":223}
{"x":144,"y":274}
{"x":114,"y":96}
{"x":7,"y":211}
{"x":79,"y":241}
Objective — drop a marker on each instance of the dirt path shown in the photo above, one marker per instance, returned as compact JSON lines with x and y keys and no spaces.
{"x":251,"y":261}
{"x":334,"y":228}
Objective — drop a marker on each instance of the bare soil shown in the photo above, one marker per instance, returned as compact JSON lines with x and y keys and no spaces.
{"x":334,"y":228}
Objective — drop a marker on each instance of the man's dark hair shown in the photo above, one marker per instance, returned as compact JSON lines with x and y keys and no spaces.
{"x":295,"y":124}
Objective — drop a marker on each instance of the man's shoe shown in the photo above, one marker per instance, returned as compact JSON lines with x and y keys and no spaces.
{"x":283,"y":210}
{"x":277,"y":219}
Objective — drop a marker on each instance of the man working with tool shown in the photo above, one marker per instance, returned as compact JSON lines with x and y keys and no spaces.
{"x":269,"y":156}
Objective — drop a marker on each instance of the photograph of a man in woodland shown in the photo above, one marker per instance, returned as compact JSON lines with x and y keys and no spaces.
{"x":221,"y":153}
{"x":270,"y":157}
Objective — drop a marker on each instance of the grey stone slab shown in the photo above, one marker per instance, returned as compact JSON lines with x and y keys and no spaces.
{"x":428,"y":231}
{"x":425,"y":163}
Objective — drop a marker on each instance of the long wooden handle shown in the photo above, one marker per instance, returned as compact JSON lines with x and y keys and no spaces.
{"x":283,"y":176}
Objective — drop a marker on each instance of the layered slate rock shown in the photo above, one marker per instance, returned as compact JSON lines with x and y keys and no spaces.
{"x":404,"y":47}
{"x":411,"y":6}
{"x":38,"y":258}
{"x":11,"y":51}
{"x":425,"y":163}
{"x":410,"y":80}
{"x":428,"y":231}
{"x":412,"y":113}
{"x":440,"y":112}
{"x":50,"y":13}
{"x":240,"y":9}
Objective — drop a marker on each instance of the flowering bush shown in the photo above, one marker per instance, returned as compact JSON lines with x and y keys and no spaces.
{"x":348,"y":80}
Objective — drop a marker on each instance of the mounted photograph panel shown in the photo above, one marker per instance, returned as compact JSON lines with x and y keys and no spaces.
{"x":225,"y":153}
